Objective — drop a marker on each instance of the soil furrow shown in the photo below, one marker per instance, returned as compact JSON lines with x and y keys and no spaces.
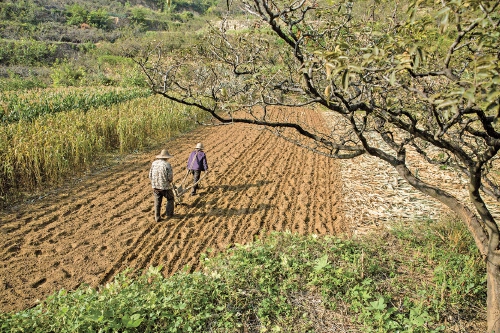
{"x":128,"y":256}
{"x":194,"y":212}
{"x":93,"y":228}
{"x":210,"y":230}
{"x":219,"y":231}
{"x":153,"y":252}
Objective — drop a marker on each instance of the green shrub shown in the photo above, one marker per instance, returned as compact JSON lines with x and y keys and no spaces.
{"x":98,"y":18}
{"x":26,"y":52}
{"x":138,"y":15}
{"x":18,"y":83}
{"x":133,"y":78}
{"x":65,"y":74}
{"x":199,"y":7}
{"x":20,"y":10}
{"x":77,"y":14}
{"x":114,"y":60}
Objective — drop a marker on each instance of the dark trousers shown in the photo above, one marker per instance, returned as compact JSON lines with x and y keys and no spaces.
{"x":196,"y":178}
{"x":158,"y":195}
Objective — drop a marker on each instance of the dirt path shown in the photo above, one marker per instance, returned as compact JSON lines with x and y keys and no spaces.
{"x":88,"y":233}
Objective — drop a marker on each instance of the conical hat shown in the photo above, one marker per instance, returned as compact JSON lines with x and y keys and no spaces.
{"x":164,"y":154}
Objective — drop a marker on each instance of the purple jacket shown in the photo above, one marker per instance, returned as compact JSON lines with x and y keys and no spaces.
{"x":197,"y":161}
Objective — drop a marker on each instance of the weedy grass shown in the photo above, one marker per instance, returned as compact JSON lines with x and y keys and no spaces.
{"x":52,"y":147}
{"x":18,"y":84}
{"x":419,"y":277}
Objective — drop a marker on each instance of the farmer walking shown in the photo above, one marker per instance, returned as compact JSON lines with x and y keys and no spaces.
{"x":161,"y":176}
{"x":197,"y":162}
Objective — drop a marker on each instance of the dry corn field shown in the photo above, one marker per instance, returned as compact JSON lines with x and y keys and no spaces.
{"x":49,"y":148}
{"x":103,"y":223}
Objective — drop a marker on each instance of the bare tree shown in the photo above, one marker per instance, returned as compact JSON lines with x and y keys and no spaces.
{"x":414,"y":75}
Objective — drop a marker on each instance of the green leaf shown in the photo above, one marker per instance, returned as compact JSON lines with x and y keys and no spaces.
{"x":421,"y":54}
{"x":459,"y":91}
{"x":447,"y":103}
{"x":416,"y":61}
{"x":321,"y":263}
{"x":356,"y":69}
{"x":412,"y":11}
{"x":345,"y":79}
{"x":443,"y":25}
{"x":379,"y":305}
{"x":492,"y":106}
{"x":469,"y":94}
{"x":133,"y":321}
{"x":392,"y":78}
{"x":483,"y":75}
{"x":443,"y":12}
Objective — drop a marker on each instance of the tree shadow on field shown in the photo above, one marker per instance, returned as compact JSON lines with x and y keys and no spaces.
{"x":239,"y":187}
{"x":228,"y":212}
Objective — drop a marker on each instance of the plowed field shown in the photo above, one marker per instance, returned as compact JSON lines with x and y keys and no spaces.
{"x":103,"y":223}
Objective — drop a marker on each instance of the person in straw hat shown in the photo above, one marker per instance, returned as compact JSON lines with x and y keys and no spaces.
{"x":161,"y":176}
{"x":197,"y":162}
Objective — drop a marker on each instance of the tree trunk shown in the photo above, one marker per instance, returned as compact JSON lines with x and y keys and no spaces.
{"x":480,"y":237}
{"x":463,"y":212}
{"x":493,"y":300}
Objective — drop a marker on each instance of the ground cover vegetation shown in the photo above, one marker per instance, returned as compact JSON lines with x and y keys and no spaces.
{"x":420,"y":76}
{"x":290,"y":283}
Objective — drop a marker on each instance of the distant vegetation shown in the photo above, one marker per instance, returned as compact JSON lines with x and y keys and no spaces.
{"x":425,"y":277}
{"x":63,"y":43}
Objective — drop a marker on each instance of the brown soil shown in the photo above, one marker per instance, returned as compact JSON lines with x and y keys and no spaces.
{"x":90,"y":231}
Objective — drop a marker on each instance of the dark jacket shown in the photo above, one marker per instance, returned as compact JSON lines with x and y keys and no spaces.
{"x":197,"y":161}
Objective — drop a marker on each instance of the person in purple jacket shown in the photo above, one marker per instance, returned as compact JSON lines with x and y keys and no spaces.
{"x":197,"y":162}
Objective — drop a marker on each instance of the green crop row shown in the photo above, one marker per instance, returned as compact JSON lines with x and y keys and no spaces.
{"x":32,"y":104}
{"x":52,"y":147}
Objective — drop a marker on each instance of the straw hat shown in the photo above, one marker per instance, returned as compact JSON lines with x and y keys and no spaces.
{"x":164,"y":154}
{"x":199,"y":146}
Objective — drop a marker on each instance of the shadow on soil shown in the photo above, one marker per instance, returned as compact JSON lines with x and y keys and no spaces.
{"x":238,"y":188}
{"x":227,"y":212}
